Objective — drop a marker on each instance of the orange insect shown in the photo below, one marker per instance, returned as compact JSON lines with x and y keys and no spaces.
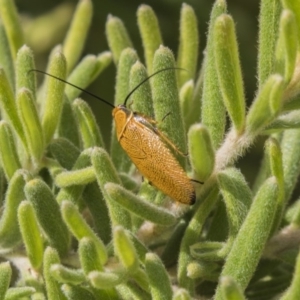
{"x":147,"y":147}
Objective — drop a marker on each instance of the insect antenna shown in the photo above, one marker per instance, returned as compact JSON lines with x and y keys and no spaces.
{"x":146,"y":79}
{"x":73,"y":85}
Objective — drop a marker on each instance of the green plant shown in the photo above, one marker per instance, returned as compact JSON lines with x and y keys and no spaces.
{"x":76,"y":222}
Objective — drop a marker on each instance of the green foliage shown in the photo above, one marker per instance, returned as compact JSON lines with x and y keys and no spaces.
{"x":78,"y":216}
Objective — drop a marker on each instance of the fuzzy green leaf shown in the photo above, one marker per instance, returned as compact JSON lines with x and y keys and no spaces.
{"x":64,"y":152}
{"x":93,"y":198}
{"x":19,"y":292}
{"x":237,"y":197}
{"x":188,"y":106}
{"x":8,"y":105}
{"x":275,"y":157}
{"x":5,"y":276}
{"x":207,"y":251}
{"x":166,"y":100}
{"x":231,"y":291}
{"x":150,"y":33}
{"x":213,"y":110}
{"x":142,"y":98}
{"x":170,"y":253}
{"x":54,"y":95}
{"x":188,"y":44}
{"x":203,"y":270}
{"x":125,"y":250}
{"x":76,"y":36}
{"x":85,"y":72}
{"x":8,"y":151}
{"x":253,"y":234}
{"x":106,"y":172}
{"x":130,"y":291}
{"x":288,"y":121}
{"x":48,"y":214}
{"x":68,"y":127}
{"x":229,"y":70}
{"x":51,"y":257}
{"x":286,"y":49}
{"x":12,"y":25}
{"x":106,"y":280}
{"x":267,"y":104}
{"x":127,"y":60}
{"x":31,"y":234}
{"x":67,"y":275}
{"x":128,"y":57}
{"x":201,"y":152}
{"x":268,"y":34}
{"x":6,"y":57}
{"x":117,"y":37}
{"x":159,"y":281}
{"x":290,"y":145}
{"x":25,"y":63}
{"x":191,"y":236}
{"x":89,"y":255}
{"x":76,"y":177}
{"x":9,"y":227}
{"x":294,"y":6}
{"x":138,"y":206}
{"x":294,"y":290}
{"x":79,"y":228}
{"x":76,"y":292}
{"x":74,"y":184}
{"x":88,"y":128}
{"x":31,"y":123}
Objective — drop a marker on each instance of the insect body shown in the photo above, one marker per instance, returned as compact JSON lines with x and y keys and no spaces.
{"x":138,"y":137}
{"x":147,"y":148}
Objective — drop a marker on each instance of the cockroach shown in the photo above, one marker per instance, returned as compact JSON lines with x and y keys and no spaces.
{"x":148,"y":148}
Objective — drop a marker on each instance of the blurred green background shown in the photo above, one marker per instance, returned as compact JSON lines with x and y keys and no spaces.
{"x":245,"y":14}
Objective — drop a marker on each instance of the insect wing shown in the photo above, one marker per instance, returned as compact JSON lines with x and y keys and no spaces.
{"x":155,"y":161}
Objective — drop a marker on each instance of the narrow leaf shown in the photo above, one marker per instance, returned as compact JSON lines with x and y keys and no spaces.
{"x":90,"y":259}
{"x":213,"y":111}
{"x":117,"y":36}
{"x":105,"y":172}
{"x":266,"y":105}
{"x":88,"y":128}
{"x":229,"y":70}
{"x":79,"y":228}
{"x":54,"y":95}
{"x":188,"y":44}
{"x":5,"y":276}
{"x":77,"y":33}
{"x":159,"y":281}
{"x":25,"y":63}
{"x":125,"y":250}
{"x":12,"y":25}
{"x":253,"y":234}
{"x":9,"y":227}
{"x":31,"y":234}
{"x":51,"y":257}
{"x":8,"y":151}
{"x":139,"y":207}
{"x":268,"y":34}
{"x":231,"y":291}
{"x":201,"y":152}
{"x":150,"y":33}
{"x":8,"y":105}
{"x":31,"y":123}
{"x":166,"y":100}
{"x":127,"y":60}
{"x":48,"y":214}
